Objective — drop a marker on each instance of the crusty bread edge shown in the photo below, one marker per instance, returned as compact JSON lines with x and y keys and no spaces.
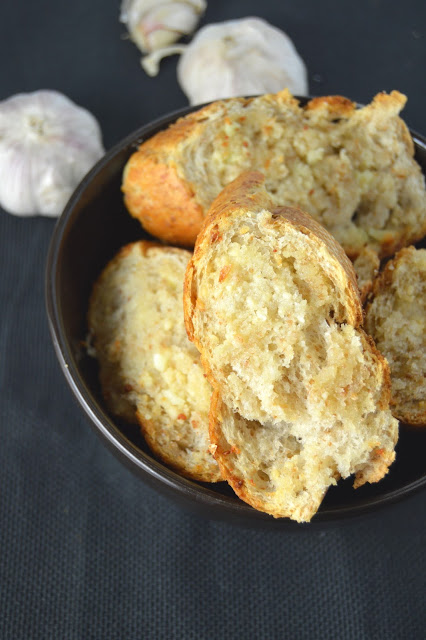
{"x":380,"y":285}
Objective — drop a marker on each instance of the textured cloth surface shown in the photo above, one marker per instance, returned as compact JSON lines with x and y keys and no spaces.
{"x":87,"y":549}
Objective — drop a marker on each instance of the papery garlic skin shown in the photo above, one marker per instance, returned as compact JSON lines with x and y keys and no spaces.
{"x":47,"y":145}
{"x":240,"y":58}
{"x":153,"y":24}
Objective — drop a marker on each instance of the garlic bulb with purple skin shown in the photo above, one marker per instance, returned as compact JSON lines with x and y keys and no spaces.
{"x":47,"y":145}
{"x":240,"y":58}
{"x":154,"y":25}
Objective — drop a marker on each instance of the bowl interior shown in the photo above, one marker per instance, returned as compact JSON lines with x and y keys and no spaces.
{"x":94,"y":225}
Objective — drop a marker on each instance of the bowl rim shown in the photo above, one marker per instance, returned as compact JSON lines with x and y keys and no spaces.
{"x":127,"y":451}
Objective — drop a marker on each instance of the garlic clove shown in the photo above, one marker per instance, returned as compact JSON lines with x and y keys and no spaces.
{"x":240,"y":57}
{"x":176,"y":19}
{"x":154,"y":25}
{"x":47,"y":145}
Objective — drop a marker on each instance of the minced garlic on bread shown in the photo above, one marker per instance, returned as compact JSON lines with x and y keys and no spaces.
{"x":301,"y":394}
{"x":352,"y":169}
{"x":396,"y":319}
{"x":150,"y":373}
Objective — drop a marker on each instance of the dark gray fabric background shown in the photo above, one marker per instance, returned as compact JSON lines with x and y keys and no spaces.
{"x":86,"y":549}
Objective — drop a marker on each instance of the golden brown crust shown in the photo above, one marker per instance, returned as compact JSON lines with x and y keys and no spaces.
{"x":152,"y":187}
{"x":339,"y":106}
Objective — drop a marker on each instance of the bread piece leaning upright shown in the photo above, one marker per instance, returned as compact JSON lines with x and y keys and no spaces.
{"x":149,"y":371}
{"x":301,"y":394}
{"x":396,"y":318}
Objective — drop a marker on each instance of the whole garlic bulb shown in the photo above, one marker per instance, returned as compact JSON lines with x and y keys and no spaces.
{"x":240,"y":58}
{"x":155,"y":24}
{"x":47,"y":145}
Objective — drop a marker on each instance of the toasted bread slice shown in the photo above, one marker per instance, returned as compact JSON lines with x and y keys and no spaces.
{"x":351,"y":169}
{"x":301,"y":393}
{"x":150,"y":373}
{"x":396,"y":318}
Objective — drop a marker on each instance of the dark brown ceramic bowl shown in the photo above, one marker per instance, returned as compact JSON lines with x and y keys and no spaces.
{"x":93,"y":226}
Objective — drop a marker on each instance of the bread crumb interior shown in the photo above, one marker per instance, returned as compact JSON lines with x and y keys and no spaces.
{"x":294,"y":369}
{"x":355,"y":174}
{"x":397,"y":320}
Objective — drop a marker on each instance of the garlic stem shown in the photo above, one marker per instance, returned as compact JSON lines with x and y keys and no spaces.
{"x":151,"y":62}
